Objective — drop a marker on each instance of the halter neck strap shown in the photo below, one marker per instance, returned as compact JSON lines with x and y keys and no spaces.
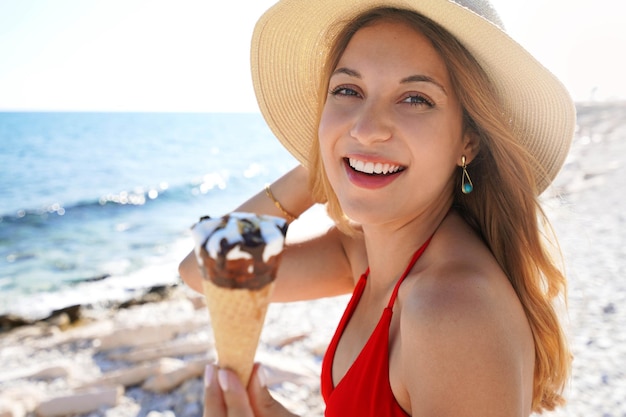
{"x":414,"y":259}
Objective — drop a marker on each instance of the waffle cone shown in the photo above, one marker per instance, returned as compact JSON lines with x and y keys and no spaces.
{"x":237,"y":317}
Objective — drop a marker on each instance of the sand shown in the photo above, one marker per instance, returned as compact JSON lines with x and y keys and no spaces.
{"x":147,"y":359}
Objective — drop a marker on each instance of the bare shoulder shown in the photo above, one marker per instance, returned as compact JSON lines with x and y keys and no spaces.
{"x":465,"y":339}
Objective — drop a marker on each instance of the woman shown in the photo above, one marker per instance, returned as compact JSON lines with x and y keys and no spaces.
{"x":434,"y":135}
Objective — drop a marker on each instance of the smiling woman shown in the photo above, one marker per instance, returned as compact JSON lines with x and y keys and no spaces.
{"x":394,"y":107}
{"x":388,"y":130}
{"x":397,"y":108}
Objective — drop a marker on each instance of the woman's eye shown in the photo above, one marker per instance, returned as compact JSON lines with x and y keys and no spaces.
{"x":416,"y":100}
{"x":344,"y":91}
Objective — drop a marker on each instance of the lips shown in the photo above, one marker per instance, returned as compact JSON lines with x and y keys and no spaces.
{"x":370,"y":174}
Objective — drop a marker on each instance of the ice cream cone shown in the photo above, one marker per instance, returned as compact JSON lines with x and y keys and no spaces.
{"x":237,"y":317}
{"x":238,"y":256}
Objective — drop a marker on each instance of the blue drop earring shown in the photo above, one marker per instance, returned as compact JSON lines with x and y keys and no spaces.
{"x":466,"y":182}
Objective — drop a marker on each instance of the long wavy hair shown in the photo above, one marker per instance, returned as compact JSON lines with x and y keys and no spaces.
{"x":503,"y":208}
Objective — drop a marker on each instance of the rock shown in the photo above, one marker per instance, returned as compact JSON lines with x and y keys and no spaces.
{"x":609,"y":309}
{"x":62,"y":321}
{"x":39,"y":372}
{"x":154,"y":294}
{"x":52,"y":372}
{"x":137,"y":336}
{"x":129,"y":377}
{"x":280,"y":369}
{"x":191,"y":410}
{"x":11,"y":409}
{"x":142,"y":335}
{"x":168,"y":379}
{"x":147,"y":354}
{"x":95,"y":279}
{"x":11,"y":321}
{"x":65,"y":316}
{"x":89,"y":332}
{"x":319,"y":349}
{"x":20,"y":400}
{"x":283,"y":341}
{"x":80,"y":402}
{"x":166,"y":413}
{"x":27,"y":332}
{"x":192,"y":390}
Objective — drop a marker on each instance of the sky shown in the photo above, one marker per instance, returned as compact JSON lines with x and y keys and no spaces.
{"x":193,"y":55}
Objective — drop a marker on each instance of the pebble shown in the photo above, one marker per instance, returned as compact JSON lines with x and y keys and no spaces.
{"x":80,"y":402}
{"x":155,"y":355}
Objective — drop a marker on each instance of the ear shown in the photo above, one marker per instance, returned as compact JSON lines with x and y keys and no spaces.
{"x":471,"y":146}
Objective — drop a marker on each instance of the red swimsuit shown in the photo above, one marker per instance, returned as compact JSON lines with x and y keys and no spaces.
{"x":365,"y":389}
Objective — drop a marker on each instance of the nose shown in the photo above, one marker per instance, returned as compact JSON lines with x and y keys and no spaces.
{"x":371,"y":124}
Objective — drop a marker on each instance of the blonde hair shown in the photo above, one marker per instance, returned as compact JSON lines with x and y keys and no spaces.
{"x":503,"y":208}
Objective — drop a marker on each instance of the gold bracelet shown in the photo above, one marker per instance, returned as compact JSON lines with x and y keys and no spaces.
{"x":290,"y":217}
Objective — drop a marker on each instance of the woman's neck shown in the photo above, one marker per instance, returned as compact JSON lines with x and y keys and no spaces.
{"x":390,"y":246}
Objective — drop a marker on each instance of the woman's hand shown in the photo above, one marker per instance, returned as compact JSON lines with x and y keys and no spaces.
{"x":225,"y":396}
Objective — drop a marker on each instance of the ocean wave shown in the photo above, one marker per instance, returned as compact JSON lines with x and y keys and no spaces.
{"x":91,"y":195}
{"x":37,"y":300}
{"x":138,"y":196}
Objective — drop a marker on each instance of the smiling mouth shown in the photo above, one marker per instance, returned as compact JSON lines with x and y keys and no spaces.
{"x":373,"y":168}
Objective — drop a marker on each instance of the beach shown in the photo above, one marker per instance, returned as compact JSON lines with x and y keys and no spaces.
{"x":146,"y":356}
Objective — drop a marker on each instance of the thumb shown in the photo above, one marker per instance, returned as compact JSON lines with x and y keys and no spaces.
{"x":263,"y":404}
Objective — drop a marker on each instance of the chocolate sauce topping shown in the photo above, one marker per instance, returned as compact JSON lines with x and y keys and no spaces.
{"x":241,"y":250}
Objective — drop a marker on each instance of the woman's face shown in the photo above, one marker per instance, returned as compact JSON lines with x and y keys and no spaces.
{"x":391,"y":129}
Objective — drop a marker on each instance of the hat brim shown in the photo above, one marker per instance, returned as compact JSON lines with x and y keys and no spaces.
{"x":290,"y":47}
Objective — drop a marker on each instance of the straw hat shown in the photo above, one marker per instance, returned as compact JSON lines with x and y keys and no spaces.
{"x":290,"y":46}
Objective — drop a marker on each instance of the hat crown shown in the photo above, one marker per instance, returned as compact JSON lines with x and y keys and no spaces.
{"x":482,"y":8}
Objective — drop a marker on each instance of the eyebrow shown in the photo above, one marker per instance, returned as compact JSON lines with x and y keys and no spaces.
{"x":347,"y":71}
{"x":421,"y":79}
{"x":418,"y":78}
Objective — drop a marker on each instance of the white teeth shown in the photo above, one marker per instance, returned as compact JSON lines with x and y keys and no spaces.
{"x":373,"y":168}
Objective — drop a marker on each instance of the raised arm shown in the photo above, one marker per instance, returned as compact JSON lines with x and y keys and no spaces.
{"x":310,"y":268}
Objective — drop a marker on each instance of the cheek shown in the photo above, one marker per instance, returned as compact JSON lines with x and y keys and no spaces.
{"x":328,"y":160}
{"x":323,"y":143}
{"x":327,"y":123}
{"x":329,"y":156}
{"x":327,"y":136}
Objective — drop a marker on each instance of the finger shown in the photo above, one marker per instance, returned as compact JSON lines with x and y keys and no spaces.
{"x":213,"y":401}
{"x":263,"y":404}
{"x":234,"y":394}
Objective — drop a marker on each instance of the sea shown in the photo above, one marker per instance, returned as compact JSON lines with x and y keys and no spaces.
{"x":97,"y":207}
